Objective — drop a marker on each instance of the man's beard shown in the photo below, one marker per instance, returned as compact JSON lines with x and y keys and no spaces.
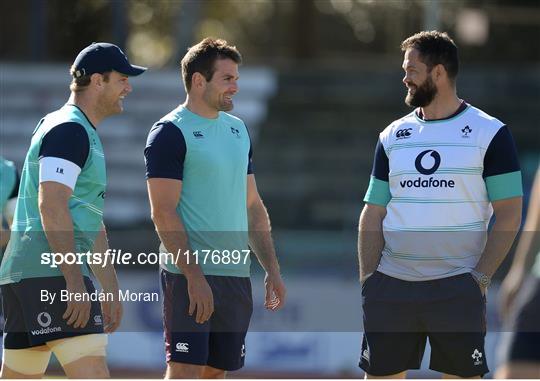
{"x":424,"y":94}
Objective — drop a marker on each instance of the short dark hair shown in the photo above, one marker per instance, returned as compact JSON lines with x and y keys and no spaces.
{"x":201,"y":58}
{"x":435,"y":48}
{"x":79,"y":84}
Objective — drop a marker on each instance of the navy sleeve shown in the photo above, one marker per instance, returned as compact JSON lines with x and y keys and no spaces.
{"x":165,"y":152}
{"x":250,"y":169}
{"x":380,"y":163}
{"x":15,"y":191}
{"x":68,"y":141}
{"x":501,"y":155}
{"x":250,"y":159}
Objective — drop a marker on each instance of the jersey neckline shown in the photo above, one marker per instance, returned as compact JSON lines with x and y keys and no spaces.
{"x":82,"y":112}
{"x":461,"y":109}
{"x":183,"y":108}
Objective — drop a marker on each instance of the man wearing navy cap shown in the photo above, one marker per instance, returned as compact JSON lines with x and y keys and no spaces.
{"x":47,"y":306}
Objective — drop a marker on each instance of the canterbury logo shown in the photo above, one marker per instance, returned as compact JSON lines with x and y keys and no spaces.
{"x":182,"y":347}
{"x":404,"y":133}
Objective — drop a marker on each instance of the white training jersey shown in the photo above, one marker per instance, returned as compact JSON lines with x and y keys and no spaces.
{"x":437,"y":180}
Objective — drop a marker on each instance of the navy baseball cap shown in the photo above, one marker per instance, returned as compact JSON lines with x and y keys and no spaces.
{"x":101,"y":57}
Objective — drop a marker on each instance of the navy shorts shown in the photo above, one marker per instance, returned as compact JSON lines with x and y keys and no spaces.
{"x":219,"y":342}
{"x":524,"y":343}
{"x":30,"y":322}
{"x":399,"y":316}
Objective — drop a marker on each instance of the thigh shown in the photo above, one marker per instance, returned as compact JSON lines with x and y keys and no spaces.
{"x":25,"y":363}
{"x":87,"y":367}
{"x":393,"y":339}
{"x":456,"y":325}
{"x":186,"y":341}
{"x":230,"y":322}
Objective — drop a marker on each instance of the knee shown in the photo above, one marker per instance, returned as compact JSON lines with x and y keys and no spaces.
{"x":210,"y":372}
{"x":181,"y":370}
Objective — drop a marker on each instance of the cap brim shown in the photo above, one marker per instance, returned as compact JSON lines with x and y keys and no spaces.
{"x":133,"y":70}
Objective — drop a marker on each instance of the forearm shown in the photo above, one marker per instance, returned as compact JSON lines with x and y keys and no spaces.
{"x":104,"y":270}
{"x":172,"y":234}
{"x":260,"y":237}
{"x":370,"y":241}
{"x":4,"y":236}
{"x":498,"y":244}
{"x":528,"y":246}
{"x":58,"y":228}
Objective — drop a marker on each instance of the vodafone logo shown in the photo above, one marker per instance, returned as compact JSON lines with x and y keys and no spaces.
{"x":44,"y":319}
{"x":419,"y":165}
{"x":427,"y":166}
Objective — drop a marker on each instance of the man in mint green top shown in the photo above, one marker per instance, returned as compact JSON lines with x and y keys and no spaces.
{"x":9,"y":188}
{"x":216,"y":156}
{"x":60,"y":210}
{"x":206,"y":210}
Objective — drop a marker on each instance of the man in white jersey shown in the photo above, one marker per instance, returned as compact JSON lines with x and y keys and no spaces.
{"x":425,"y":255}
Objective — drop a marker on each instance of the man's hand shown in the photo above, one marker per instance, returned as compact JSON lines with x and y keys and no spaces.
{"x":77,"y":313}
{"x":201,"y":298}
{"x":112,"y":313}
{"x":275,"y":291}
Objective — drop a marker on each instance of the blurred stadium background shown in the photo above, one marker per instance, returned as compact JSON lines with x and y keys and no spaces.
{"x":320,"y":79}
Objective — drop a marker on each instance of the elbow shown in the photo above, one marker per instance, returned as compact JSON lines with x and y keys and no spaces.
{"x":46,"y":208}
{"x":156,"y":217}
{"x":161,"y":216}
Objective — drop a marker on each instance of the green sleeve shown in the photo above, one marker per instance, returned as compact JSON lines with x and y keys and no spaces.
{"x":378,"y":192}
{"x":504,"y":186}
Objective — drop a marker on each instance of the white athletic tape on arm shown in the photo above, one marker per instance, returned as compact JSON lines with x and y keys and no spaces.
{"x":58,"y":170}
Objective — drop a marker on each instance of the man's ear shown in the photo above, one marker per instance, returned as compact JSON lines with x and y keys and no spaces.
{"x":439,"y":72}
{"x":97,"y":79}
{"x":198,"y":80}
